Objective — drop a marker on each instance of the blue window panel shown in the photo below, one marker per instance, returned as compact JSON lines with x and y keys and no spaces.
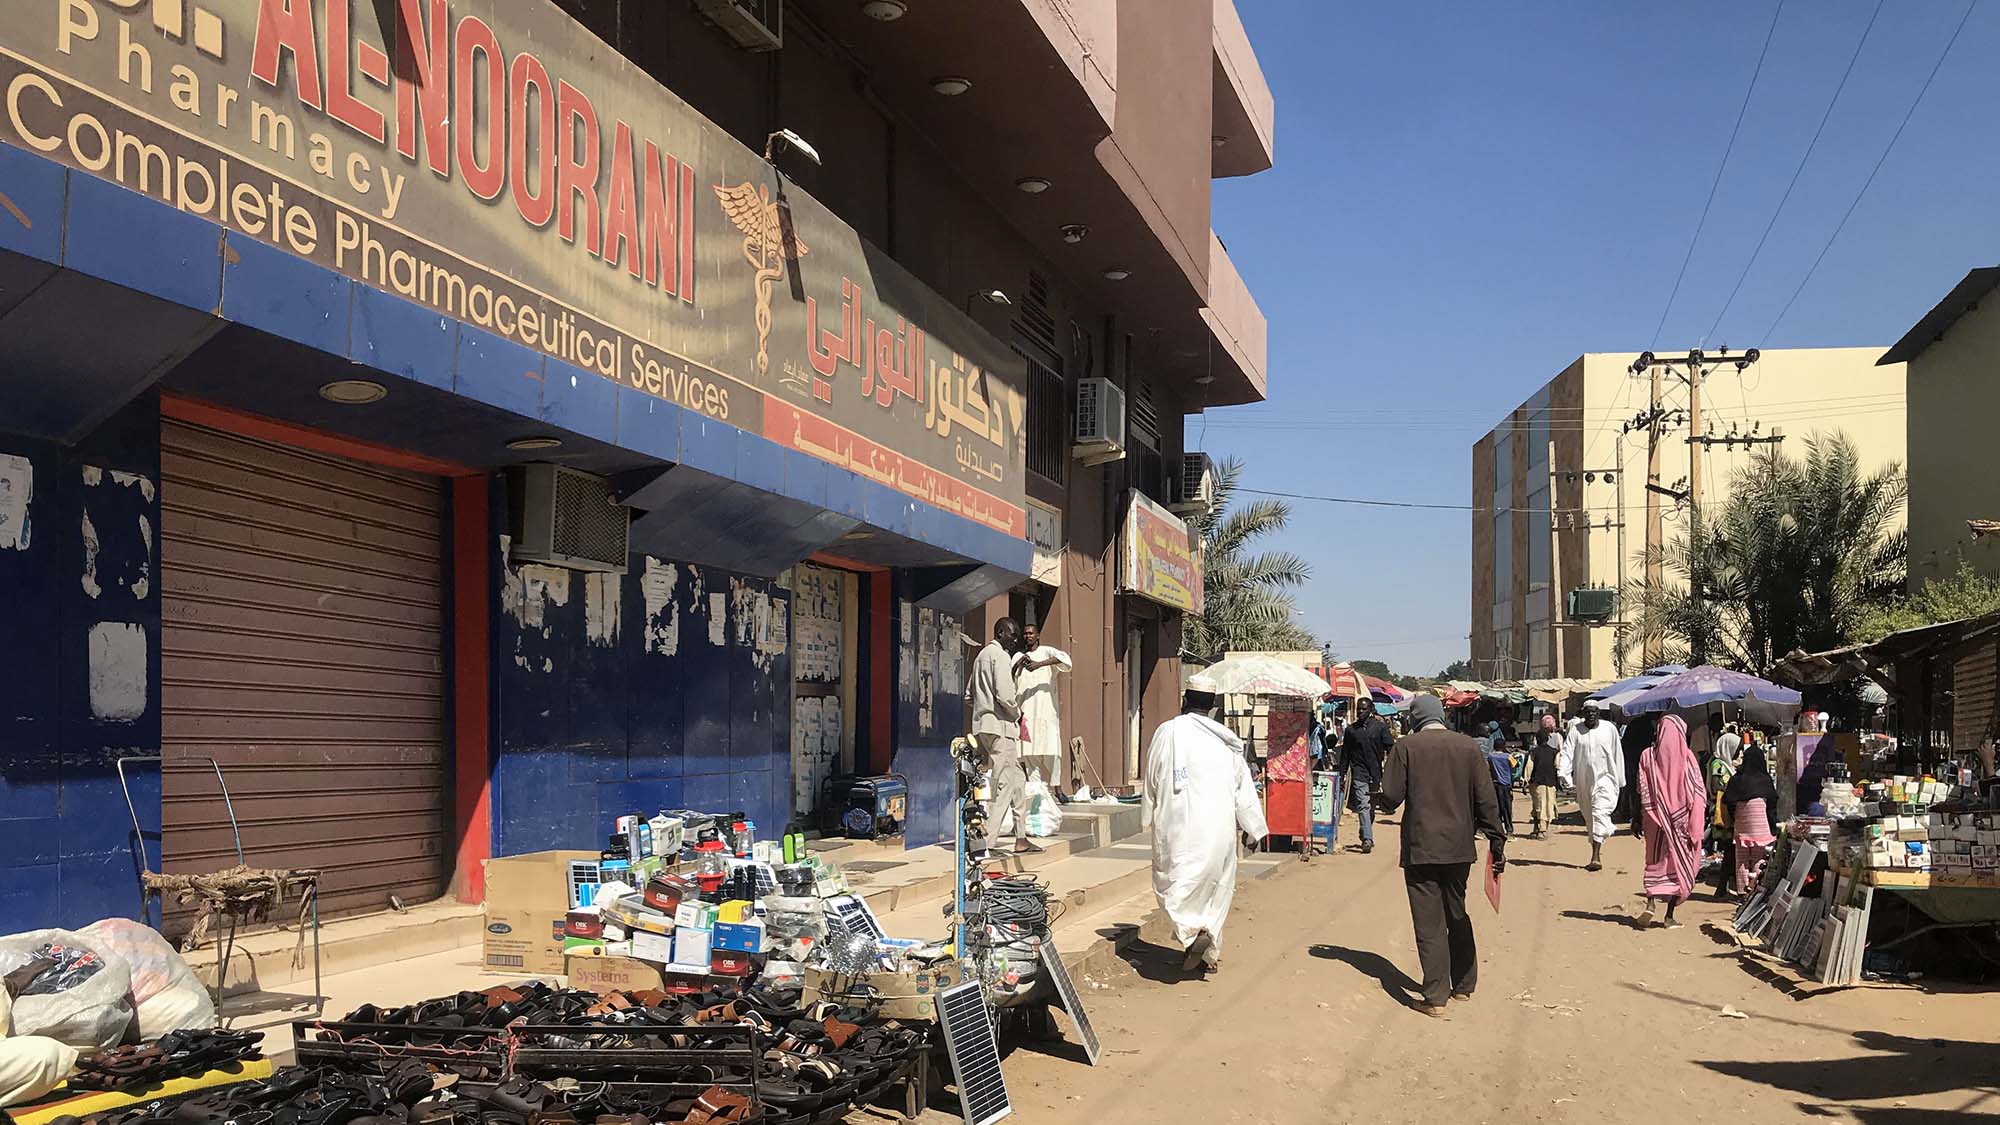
{"x":709,"y":445}
{"x":269,"y":289}
{"x":499,"y":372}
{"x":649,"y":424}
{"x":36,"y":188}
{"x":401,"y":337}
{"x":129,"y":239}
{"x":580,"y":402}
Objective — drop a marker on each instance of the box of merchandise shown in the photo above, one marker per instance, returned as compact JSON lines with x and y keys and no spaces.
{"x":907,"y":995}
{"x":527,"y":905}
{"x":694,"y":947}
{"x":582,"y":947}
{"x":695,"y":916}
{"x":653,"y":947}
{"x":740,"y":937}
{"x":636,"y":917}
{"x":613,"y":974}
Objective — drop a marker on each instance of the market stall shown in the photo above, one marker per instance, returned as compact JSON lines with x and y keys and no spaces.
{"x":1277,"y":699}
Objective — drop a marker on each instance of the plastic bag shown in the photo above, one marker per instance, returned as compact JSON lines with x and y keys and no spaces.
{"x":166,"y":994}
{"x":65,"y":989}
{"x":1045,"y":814}
{"x":6,"y":1014}
{"x":32,"y":1065}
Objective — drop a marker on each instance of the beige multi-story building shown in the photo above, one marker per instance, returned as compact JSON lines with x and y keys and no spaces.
{"x":1559,"y":489}
{"x":1952,"y":359}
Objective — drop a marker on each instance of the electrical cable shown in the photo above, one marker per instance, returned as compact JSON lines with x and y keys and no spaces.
{"x":1879,"y":161}
{"x":1796,"y":172}
{"x":1769,"y":34}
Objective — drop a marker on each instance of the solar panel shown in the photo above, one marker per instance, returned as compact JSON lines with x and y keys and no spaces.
{"x":1052,"y":963}
{"x":975,"y":1054}
{"x":765,"y":876}
{"x":850,"y":914}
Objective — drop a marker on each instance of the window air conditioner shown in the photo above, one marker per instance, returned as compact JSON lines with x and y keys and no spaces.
{"x":566,"y":517}
{"x":754,"y":25}
{"x":1194,"y":489}
{"x":1100,"y":421}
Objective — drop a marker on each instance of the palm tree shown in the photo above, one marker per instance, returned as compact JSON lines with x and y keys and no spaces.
{"x":1247,"y":600}
{"x":1793,"y":559}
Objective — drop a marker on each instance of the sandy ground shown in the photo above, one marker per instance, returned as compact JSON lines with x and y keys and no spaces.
{"x":1579,"y":1017}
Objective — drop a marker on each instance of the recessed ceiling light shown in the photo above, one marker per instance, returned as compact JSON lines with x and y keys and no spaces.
{"x":527,"y":444}
{"x":353,"y":392}
{"x":1218,"y":140}
{"x":1033,"y":185}
{"x":1116,"y":273}
{"x":951,"y":85}
{"x":1074,"y":233}
{"x":884,"y":10}
{"x":994,"y":297}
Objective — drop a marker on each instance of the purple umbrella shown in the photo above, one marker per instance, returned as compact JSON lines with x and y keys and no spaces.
{"x":1709,"y":684}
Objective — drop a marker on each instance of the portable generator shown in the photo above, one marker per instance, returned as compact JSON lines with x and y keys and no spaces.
{"x":875,"y":807}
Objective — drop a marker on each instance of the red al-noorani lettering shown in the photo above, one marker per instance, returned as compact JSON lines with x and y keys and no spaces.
{"x":540,"y":141}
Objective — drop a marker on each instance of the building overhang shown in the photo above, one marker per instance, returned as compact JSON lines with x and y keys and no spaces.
{"x":1963,"y":298}
{"x":105,"y":294}
{"x":1245,"y":113}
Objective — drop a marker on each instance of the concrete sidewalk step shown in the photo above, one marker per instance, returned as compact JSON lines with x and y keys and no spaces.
{"x":892,"y":880}
{"x":265,"y":961}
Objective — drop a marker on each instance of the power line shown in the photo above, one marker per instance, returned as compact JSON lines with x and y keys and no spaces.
{"x":1796,"y":172}
{"x":1881,"y":160}
{"x":1508,"y":509}
{"x":1719,"y":169}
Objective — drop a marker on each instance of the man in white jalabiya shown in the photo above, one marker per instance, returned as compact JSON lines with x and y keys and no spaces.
{"x":1597,"y":770}
{"x":1035,"y":669}
{"x":1198,"y":797}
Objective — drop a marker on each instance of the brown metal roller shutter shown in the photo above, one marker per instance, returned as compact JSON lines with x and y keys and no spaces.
{"x":1972,"y":695}
{"x":303,"y":615}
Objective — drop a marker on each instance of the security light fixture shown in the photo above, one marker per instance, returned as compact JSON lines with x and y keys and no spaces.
{"x":794,"y":141}
{"x":993,"y":297}
{"x":884,"y":10}
{"x":1033,"y":185}
{"x":951,"y":85}
{"x":529,"y":444}
{"x":1218,"y":140}
{"x":1074,"y":233}
{"x":353,"y":392}
{"x":1203,"y":380}
{"x":1117,"y":273}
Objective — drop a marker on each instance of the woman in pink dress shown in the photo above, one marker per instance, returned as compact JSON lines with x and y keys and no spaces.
{"x":1672,"y":803}
{"x":1752,"y":800}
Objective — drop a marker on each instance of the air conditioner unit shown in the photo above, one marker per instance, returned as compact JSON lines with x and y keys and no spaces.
{"x":1593,"y":603}
{"x":566,"y":517}
{"x":754,"y":25}
{"x":1100,"y":421}
{"x":1194,"y":489}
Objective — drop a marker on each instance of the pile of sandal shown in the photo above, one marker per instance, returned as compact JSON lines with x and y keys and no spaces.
{"x":177,"y":1054}
{"x":805,"y":1062}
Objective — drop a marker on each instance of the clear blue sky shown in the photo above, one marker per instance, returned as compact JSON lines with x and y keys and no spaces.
{"x":1468,"y":196}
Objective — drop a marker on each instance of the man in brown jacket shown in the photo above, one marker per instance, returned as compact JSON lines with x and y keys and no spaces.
{"x":1444,"y":779}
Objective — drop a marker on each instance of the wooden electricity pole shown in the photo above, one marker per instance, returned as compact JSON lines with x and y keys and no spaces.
{"x":1695,"y":444}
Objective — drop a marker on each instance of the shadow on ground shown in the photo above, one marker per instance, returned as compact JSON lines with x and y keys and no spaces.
{"x":1396,"y":983}
{"x":1156,"y":963}
{"x":1625,"y":920}
{"x":1901,"y":1067}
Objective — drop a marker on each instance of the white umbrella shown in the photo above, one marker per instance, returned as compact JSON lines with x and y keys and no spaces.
{"x":1263,"y":675}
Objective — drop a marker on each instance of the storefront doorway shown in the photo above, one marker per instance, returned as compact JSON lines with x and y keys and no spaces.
{"x":1135,"y":696}
{"x":826,"y":651}
{"x":301,"y":647}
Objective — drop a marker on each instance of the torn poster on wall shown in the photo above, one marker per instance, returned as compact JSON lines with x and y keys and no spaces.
{"x":17,"y":488}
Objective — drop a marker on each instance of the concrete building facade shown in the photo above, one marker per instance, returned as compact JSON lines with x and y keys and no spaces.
{"x":1951,"y":358}
{"x":299,"y":303}
{"x":1552,"y":484}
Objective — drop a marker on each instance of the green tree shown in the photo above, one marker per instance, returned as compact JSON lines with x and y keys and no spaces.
{"x":1794,"y":558}
{"x":1965,"y":594}
{"x":1460,"y":669}
{"x":1247,"y":597}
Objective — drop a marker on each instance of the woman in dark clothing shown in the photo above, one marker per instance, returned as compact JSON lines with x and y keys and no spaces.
{"x":1544,"y":757}
{"x":1751,"y":799}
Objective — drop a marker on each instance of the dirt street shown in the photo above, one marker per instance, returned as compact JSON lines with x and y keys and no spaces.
{"x":1579,"y":1017}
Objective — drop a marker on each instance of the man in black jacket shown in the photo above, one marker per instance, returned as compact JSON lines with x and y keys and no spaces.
{"x":1445,"y":781}
{"x":1364,"y":749}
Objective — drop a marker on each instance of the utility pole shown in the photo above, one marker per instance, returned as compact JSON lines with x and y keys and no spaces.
{"x":1694,"y":434}
{"x":1618,"y":645}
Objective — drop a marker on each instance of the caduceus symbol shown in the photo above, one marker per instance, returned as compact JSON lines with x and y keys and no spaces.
{"x":766,"y":247}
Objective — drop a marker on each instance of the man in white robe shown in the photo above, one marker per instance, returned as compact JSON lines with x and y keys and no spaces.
{"x":1198,"y":796}
{"x":1035,"y":669}
{"x":1597,"y":770}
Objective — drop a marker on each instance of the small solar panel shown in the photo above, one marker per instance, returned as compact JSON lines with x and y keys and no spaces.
{"x":764,"y":874}
{"x":850,"y":914}
{"x":1052,"y":963}
{"x":975,"y":1054}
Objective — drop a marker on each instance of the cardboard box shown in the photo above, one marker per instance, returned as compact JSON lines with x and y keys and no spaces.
{"x":636,"y":918}
{"x":582,"y":947}
{"x":613,"y":974}
{"x":693,"y":948}
{"x":908,"y":995}
{"x":653,"y":947}
{"x":527,"y":904}
{"x":740,"y":937}
{"x":695,"y":916}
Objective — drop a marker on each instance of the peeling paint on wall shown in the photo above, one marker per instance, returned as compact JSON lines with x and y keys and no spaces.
{"x":602,"y":598}
{"x":17,"y":488}
{"x":531,"y":589}
{"x":663,"y":612}
{"x":145,"y":580}
{"x":90,"y":585}
{"x":134,"y":480}
{"x":117,"y":671}
{"x":718,"y":618}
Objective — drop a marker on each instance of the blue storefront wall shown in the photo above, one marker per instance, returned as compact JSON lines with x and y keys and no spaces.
{"x":79,"y":671}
